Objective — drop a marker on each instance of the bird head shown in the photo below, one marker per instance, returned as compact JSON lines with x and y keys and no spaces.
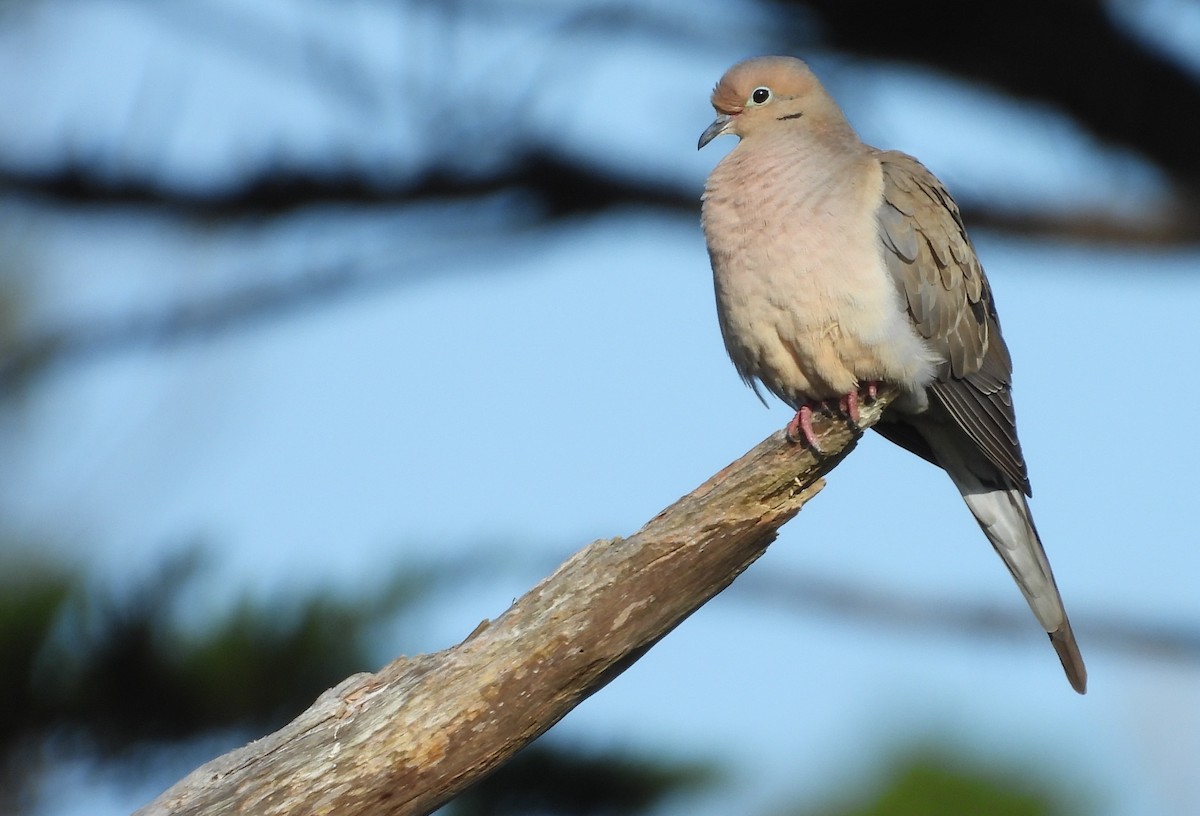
{"x":764,"y":93}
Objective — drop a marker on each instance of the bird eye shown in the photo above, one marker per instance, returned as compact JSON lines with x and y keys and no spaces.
{"x":760,"y":96}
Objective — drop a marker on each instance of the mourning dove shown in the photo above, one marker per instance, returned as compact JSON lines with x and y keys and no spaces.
{"x":838,"y":266}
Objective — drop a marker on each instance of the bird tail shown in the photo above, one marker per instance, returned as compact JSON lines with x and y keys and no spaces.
{"x":1003,"y":513}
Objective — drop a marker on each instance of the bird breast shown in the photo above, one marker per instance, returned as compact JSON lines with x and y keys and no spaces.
{"x":805,"y":302}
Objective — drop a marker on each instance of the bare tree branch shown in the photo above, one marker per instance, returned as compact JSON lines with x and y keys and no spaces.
{"x":202,"y":317}
{"x":408,"y":738}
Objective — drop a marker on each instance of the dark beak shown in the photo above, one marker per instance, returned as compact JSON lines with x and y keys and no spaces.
{"x":714,"y":130}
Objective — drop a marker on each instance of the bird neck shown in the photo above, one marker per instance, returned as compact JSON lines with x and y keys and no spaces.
{"x":819,"y":157}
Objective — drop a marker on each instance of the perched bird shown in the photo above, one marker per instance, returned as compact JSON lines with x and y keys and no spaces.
{"x":838,"y":266}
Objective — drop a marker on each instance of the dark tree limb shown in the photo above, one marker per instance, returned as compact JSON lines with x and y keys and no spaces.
{"x":555,"y":188}
{"x":408,"y":738}
{"x":1070,"y":53}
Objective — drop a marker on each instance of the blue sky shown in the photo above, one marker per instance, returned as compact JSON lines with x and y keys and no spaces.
{"x":512,"y":394}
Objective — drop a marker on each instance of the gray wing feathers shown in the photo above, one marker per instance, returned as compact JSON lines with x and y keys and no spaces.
{"x":936,"y":271}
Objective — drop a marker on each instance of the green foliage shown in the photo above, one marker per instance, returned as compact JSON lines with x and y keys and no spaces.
{"x":29,"y":608}
{"x":121,"y":671}
{"x":31,"y":596}
{"x":105,"y":676}
{"x":116,"y":676}
{"x":932,"y":783}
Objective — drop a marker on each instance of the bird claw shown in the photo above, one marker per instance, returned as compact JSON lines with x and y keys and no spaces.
{"x":801,"y":427}
{"x":848,"y":405}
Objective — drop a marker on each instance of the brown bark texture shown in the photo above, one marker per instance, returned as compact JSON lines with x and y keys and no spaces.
{"x":407,"y":738}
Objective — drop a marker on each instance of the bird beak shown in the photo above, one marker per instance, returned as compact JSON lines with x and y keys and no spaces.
{"x":715,"y":129}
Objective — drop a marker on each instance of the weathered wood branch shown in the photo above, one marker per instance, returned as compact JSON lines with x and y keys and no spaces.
{"x":408,"y":738}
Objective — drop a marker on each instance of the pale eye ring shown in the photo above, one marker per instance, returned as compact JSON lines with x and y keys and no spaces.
{"x":760,"y":95}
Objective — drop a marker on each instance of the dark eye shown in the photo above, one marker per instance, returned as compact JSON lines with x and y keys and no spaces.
{"x":760,"y":95}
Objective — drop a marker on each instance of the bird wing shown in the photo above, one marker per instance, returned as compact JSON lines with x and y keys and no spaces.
{"x":937,"y":272}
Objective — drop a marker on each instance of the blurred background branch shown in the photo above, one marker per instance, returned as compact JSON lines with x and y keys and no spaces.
{"x":1078,"y":57}
{"x":1176,"y":641}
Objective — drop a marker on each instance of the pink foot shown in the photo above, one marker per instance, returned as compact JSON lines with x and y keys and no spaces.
{"x":801,"y":427}
{"x":848,"y":405}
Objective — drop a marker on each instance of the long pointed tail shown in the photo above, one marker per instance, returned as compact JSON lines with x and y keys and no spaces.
{"x":1064,"y":643}
{"x":1005,"y":518}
